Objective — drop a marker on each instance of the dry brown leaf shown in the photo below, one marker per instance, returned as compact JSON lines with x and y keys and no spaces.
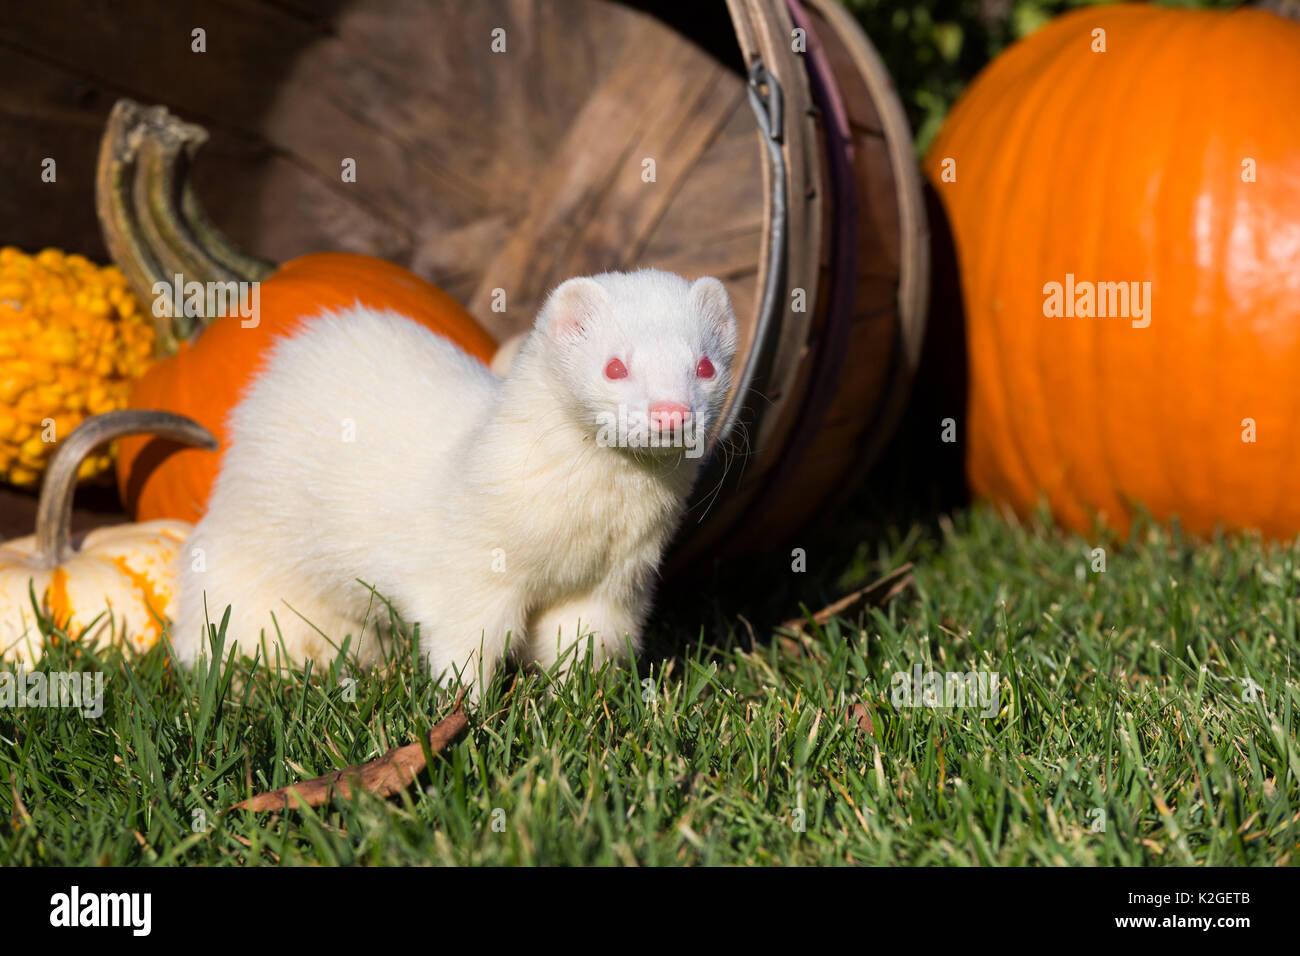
{"x":860,"y":714}
{"x":383,"y":776}
{"x":879,"y":593}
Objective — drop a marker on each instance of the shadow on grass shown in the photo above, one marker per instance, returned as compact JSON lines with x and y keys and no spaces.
{"x":893,"y":517}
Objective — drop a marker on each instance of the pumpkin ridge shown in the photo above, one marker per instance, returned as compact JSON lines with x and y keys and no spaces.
{"x":1116,"y":406}
{"x":1166,"y":446}
{"x":154,"y":602}
{"x":1212,"y":391}
{"x":56,"y":603}
{"x":1281,"y":514}
{"x":1000,"y":186}
{"x":1074,"y":487}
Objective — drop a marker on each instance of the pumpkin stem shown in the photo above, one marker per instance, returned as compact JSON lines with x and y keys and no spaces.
{"x":152,"y":222}
{"x":54,"y":510}
{"x":1283,"y":8}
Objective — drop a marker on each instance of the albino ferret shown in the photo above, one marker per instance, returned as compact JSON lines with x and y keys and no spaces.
{"x":491,"y":511}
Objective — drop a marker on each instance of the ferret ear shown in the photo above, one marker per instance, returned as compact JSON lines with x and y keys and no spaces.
{"x":571,"y":309}
{"x":711,"y":302}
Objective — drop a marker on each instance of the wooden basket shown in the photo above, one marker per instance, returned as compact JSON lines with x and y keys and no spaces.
{"x":787,"y":172}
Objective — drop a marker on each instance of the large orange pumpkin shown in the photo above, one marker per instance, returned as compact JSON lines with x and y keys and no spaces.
{"x":1173,"y":157}
{"x":158,"y":233}
{"x":159,"y":478}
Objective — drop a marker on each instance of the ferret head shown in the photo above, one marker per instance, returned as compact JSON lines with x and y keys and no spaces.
{"x":644,"y":358}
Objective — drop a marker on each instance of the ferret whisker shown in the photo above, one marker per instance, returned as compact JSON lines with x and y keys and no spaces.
{"x":726,"y":447}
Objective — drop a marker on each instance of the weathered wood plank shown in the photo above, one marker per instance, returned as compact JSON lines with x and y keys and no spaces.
{"x":590,"y":207}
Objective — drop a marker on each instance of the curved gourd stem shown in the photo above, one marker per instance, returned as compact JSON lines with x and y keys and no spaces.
{"x":208,"y":236}
{"x":174,"y":258}
{"x":54,"y":509}
{"x":150,"y":217}
{"x":162,"y":229}
{"x":114,"y":187}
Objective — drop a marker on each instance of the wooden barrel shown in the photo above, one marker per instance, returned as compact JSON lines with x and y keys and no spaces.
{"x":509,"y":144}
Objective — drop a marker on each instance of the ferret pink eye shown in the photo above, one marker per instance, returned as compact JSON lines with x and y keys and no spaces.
{"x":704,"y":369}
{"x":615,"y":369}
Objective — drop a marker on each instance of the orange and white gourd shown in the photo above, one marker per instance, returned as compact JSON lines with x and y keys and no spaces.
{"x":119,"y":584}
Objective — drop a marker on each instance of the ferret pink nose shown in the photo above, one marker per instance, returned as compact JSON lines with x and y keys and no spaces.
{"x":668,"y":414}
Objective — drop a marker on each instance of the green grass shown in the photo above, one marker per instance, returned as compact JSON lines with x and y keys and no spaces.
{"x":1121,"y":693}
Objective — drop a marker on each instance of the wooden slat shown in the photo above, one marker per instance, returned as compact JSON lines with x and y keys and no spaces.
{"x":802,"y":147}
{"x":714,"y":224}
{"x":892,"y":205}
{"x":590,"y":208}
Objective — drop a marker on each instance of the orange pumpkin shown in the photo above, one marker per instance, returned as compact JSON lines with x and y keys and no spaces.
{"x":1173,"y":157}
{"x":156,"y":231}
{"x":159,"y":478}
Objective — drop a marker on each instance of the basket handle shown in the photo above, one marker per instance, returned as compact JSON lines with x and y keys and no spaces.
{"x":766,"y":99}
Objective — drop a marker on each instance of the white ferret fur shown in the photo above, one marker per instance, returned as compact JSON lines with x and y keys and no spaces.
{"x":484,"y":509}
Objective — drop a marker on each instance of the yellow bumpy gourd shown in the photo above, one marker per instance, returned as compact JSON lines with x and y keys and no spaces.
{"x":73,"y":340}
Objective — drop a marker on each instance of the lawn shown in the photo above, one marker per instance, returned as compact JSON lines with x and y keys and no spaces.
{"x":1146,"y":714}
